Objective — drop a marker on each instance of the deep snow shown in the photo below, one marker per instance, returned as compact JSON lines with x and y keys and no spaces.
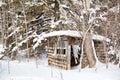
{"x":30,"y":71}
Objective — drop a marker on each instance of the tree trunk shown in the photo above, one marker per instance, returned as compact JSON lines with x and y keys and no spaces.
{"x":2,"y":28}
{"x":89,"y":50}
{"x":26,"y":28}
{"x":56,"y":9}
{"x":88,"y":38}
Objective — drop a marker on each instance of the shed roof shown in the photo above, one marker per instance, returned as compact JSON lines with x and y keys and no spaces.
{"x":72,"y":33}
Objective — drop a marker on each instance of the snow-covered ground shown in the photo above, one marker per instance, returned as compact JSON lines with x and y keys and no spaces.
{"x":28,"y":71}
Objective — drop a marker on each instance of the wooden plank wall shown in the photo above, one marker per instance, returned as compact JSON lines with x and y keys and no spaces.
{"x":99,"y":47}
{"x":57,"y":60}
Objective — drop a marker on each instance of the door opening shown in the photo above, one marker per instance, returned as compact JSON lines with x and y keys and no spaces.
{"x":75,"y":55}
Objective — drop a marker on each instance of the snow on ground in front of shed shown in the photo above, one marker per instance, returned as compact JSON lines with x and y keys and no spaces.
{"x":29,"y":71}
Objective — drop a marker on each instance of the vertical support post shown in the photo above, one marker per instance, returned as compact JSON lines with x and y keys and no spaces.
{"x":68,"y":53}
{"x":104,"y":43}
{"x":48,"y":50}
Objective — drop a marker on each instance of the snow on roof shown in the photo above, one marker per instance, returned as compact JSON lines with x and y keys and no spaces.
{"x":63,"y":33}
{"x":72,"y":33}
{"x":100,"y":38}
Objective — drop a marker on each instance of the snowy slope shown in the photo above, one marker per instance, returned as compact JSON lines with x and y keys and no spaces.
{"x":28,"y":71}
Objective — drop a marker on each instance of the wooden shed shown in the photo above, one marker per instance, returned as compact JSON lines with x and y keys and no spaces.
{"x":64,"y":48}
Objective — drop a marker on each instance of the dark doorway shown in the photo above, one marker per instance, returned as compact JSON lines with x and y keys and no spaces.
{"x":75,"y":55}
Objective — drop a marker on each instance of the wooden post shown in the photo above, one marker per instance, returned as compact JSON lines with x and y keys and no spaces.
{"x":104,"y":43}
{"x":68,"y":53}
